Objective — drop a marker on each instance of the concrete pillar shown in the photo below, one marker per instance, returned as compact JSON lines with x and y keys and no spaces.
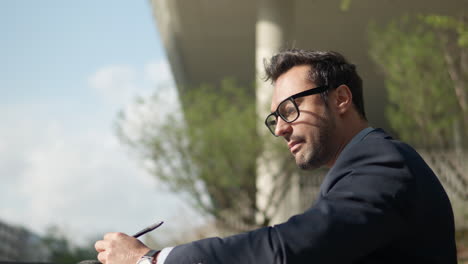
{"x":273,"y":32}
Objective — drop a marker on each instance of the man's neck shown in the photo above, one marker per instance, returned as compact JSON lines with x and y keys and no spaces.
{"x":350,"y":132}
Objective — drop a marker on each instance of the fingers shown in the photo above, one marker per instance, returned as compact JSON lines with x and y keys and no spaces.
{"x":114,"y":235}
{"x":104,"y":247}
{"x":109,"y":238}
{"x":119,"y":248}
{"x":102,"y":257}
{"x":101,"y":245}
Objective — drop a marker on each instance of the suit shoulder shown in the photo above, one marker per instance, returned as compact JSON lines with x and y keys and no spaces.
{"x":380,"y":145}
{"x":375,"y":147}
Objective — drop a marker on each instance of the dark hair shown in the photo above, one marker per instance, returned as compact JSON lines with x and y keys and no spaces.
{"x":327,"y":68}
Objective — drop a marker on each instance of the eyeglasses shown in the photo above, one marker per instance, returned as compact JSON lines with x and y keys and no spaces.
{"x":288,"y":110}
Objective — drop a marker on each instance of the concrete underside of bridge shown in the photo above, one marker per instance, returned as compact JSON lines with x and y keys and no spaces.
{"x":209,"y":40}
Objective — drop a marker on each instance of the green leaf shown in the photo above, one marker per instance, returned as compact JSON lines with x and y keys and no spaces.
{"x":344,"y":5}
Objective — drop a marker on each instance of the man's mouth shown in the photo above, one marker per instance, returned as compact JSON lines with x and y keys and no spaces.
{"x":294,"y":146}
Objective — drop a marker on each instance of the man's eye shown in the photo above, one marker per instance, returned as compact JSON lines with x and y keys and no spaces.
{"x":271,"y":122}
{"x":289,"y":111}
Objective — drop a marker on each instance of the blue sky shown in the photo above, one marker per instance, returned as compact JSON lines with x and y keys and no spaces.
{"x":67,"y":68}
{"x":50,"y":47}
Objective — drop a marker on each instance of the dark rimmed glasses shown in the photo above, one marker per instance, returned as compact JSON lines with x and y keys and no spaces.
{"x":288,"y":110}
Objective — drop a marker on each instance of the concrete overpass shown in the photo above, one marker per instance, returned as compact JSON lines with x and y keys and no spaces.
{"x":209,"y":40}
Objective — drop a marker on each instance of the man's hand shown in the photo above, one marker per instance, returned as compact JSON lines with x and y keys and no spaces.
{"x":119,"y":248}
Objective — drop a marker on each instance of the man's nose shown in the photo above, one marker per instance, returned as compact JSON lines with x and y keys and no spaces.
{"x":282,"y":128}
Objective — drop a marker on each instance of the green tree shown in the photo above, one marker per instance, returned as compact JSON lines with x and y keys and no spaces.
{"x":453,"y":34}
{"x":425,"y":78}
{"x":208,"y":153}
{"x":64,"y":252}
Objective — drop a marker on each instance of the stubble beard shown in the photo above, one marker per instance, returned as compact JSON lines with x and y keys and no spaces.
{"x":317,"y":153}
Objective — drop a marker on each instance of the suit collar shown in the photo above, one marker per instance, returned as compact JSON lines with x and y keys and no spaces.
{"x":358,"y":137}
{"x":333,"y":172}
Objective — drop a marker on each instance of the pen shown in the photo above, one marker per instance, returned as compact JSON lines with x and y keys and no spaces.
{"x":148,"y":229}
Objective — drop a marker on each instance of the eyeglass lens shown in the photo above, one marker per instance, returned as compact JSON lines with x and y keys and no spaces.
{"x":287,"y":110}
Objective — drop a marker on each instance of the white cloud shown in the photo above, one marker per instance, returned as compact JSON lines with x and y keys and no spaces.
{"x":149,"y":112}
{"x":116,"y":83}
{"x":84,"y":183}
{"x":152,"y":107}
{"x":159,"y":72}
{"x":121,"y":84}
{"x":81,"y":178}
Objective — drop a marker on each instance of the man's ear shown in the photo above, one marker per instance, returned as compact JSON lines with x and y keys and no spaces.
{"x":343,"y":99}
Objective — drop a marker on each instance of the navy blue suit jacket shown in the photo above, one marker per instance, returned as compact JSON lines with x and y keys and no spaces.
{"x":380,"y":203}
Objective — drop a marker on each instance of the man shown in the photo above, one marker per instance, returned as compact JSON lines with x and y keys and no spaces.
{"x":379,"y":202}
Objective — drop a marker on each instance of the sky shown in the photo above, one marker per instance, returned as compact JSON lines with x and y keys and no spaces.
{"x":66,"y":69}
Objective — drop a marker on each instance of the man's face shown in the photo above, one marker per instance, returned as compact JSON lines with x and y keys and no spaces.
{"x":310,"y":137}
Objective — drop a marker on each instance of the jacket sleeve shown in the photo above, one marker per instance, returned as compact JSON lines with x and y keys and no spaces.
{"x":361,"y":208}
